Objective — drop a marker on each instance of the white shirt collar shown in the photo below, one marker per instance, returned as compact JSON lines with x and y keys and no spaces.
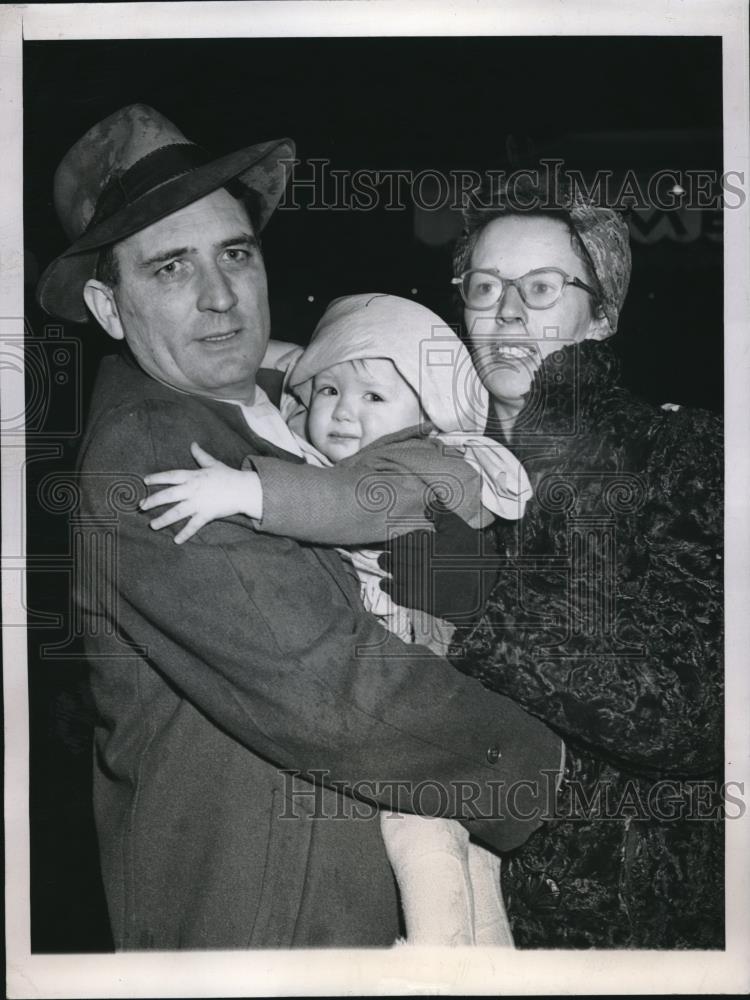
{"x":264,"y":419}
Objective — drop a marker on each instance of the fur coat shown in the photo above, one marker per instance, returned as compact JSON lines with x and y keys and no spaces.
{"x":606,"y":622}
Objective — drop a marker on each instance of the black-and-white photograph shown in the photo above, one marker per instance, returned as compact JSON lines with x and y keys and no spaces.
{"x":370,"y":482}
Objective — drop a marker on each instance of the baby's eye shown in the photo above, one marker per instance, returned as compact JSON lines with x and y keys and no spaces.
{"x":326,"y":390}
{"x":374,"y":397}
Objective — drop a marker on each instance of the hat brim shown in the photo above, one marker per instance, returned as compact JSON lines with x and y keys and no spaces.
{"x":260,"y":167}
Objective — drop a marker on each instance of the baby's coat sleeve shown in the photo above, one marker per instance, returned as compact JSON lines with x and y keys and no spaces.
{"x":385,"y":490}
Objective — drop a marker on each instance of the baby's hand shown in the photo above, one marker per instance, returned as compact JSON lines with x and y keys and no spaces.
{"x":202,"y":495}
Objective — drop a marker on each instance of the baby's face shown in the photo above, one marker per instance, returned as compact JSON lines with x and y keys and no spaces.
{"x":356,"y":402}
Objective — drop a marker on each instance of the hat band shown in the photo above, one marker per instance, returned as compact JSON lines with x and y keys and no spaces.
{"x":151,"y":171}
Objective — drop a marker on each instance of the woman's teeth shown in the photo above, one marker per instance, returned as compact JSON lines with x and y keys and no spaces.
{"x":513,"y":350}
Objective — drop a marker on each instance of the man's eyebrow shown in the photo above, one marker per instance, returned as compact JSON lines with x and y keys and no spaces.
{"x":164,"y":255}
{"x":247,"y":238}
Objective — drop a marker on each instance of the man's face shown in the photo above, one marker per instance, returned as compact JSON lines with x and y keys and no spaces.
{"x":192,"y":299}
{"x":356,"y":402}
{"x":510,"y":341}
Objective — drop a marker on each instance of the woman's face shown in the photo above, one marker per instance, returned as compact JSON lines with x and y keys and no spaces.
{"x":510,"y":341}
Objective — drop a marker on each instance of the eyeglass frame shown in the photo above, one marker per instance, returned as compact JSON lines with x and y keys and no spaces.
{"x":514,"y":282}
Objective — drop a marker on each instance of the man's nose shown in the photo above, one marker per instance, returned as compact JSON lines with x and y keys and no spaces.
{"x":216,"y":292}
{"x":511,"y":308}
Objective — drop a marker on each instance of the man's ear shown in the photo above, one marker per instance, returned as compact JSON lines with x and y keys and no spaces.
{"x":101,"y":301}
{"x":599,"y":328}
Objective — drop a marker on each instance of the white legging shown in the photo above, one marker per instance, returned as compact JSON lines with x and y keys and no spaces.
{"x":449,"y":886}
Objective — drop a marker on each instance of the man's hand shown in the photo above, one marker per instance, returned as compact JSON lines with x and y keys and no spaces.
{"x":213,"y":491}
{"x":448,"y":573}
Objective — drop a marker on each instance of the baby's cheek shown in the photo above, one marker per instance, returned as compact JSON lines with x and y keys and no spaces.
{"x":315,"y":428}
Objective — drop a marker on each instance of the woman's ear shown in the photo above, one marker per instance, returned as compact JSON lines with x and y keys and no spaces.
{"x":599,"y":328}
{"x":101,"y":301}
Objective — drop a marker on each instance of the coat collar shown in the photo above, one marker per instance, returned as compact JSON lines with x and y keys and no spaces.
{"x":136,"y":381}
{"x":570,"y":388}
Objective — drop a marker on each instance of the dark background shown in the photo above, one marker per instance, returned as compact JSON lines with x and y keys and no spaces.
{"x":640,"y":104}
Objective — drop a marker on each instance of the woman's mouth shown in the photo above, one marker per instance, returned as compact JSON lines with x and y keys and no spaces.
{"x":513,"y":355}
{"x":520,"y":351}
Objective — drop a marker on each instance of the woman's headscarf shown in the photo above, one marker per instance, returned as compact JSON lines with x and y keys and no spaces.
{"x":602,"y":231}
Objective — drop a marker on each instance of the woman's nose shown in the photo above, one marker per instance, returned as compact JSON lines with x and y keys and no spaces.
{"x":511,"y":307}
{"x":216,"y":292}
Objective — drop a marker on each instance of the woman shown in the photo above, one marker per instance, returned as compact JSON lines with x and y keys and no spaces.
{"x":606,"y":617}
{"x":608,"y":623}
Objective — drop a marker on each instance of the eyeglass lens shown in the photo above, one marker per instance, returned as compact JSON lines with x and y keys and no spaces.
{"x":538,"y":289}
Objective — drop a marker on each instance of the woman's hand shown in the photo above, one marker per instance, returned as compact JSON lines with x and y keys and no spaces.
{"x":215,"y":490}
{"x":424,"y":575}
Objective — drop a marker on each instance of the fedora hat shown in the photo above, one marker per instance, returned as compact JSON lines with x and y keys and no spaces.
{"x":131,"y":170}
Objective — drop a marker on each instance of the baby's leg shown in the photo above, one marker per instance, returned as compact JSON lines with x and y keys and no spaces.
{"x":429,"y":857}
{"x":491,"y":925}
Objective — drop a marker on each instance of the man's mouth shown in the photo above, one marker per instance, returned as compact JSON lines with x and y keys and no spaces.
{"x":219,"y":338}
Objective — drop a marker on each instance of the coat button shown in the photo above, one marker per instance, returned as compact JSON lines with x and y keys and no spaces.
{"x":493,"y":755}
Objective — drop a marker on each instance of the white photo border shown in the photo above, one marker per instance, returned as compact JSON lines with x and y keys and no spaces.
{"x":405,"y":970}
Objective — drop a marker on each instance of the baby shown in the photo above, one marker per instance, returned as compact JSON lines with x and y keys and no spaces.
{"x":393,"y":413}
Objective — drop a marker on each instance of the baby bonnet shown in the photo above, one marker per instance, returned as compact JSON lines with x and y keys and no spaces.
{"x":427,"y":353}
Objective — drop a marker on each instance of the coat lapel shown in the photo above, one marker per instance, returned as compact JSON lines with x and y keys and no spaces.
{"x":230,"y":413}
{"x":231,"y":416}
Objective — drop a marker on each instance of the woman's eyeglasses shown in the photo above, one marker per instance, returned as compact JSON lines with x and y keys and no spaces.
{"x":539,"y":289}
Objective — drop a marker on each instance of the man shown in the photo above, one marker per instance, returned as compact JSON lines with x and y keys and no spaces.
{"x":249,"y":654}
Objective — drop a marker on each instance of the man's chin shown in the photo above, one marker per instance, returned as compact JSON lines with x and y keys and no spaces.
{"x":236,"y":386}
{"x":234,"y":379}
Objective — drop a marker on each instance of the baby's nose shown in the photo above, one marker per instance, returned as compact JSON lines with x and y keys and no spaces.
{"x":344,"y":409}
